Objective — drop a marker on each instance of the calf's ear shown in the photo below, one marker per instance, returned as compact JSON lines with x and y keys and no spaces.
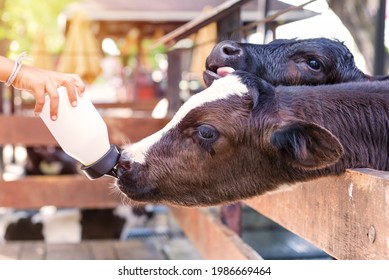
{"x":307,"y":145}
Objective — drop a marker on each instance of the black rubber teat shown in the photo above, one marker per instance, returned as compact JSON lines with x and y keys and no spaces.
{"x":104,"y":166}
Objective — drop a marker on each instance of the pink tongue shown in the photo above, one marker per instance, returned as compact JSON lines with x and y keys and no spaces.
{"x":224,"y":71}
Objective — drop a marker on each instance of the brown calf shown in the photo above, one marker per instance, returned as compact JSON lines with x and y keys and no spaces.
{"x":242,"y":137}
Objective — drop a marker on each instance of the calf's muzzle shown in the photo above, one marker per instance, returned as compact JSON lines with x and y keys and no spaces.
{"x":226,"y":53}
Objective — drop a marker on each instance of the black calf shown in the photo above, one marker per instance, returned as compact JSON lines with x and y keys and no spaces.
{"x":287,"y":62}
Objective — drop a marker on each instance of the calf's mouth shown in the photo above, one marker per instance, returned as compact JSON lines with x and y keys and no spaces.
{"x":216,"y":72}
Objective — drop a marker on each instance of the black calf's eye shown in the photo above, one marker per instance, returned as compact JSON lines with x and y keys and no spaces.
{"x":314,"y":63}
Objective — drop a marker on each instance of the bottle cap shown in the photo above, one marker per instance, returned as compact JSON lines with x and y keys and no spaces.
{"x":104,"y":166}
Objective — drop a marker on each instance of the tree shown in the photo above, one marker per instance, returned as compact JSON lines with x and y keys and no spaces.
{"x":360,"y":17}
{"x":21,"y":19}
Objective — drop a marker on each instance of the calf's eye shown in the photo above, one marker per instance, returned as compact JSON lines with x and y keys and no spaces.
{"x":314,"y":63}
{"x":207,"y":135}
{"x":207,"y":132}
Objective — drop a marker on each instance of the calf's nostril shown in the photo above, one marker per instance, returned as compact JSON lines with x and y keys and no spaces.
{"x":230,"y":50}
{"x":124,"y":164}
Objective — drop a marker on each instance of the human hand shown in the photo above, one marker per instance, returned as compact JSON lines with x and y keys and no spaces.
{"x":40,"y":82}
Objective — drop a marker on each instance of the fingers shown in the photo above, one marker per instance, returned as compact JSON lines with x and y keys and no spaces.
{"x":70,"y":85}
{"x":50,"y":88}
{"x":79,"y":84}
{"x":39,"y":101}
{"x":73,"y":85}
{"x":54,"y":100}
{"x":41,"y":82}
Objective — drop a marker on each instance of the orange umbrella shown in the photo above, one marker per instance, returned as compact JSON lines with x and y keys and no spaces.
{"x":131,"y":42}
{"x":82,"y":54}
{"x":40,"y":56}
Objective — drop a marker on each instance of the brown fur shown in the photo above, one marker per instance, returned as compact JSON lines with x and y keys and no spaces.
{"x":268,"y":137}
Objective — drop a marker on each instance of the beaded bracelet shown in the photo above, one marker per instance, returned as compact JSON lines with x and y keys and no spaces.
{"x":17,"y":66}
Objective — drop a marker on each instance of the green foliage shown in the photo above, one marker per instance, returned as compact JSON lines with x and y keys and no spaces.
{"x":22,"y":19}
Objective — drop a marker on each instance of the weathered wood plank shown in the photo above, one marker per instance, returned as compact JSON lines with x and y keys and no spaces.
{"x":85,"y":250}
{"x":136,"y":105}
{"x":136,"y":250}
{"x":61,"y":191}
{"x":347,"y":216}
{"x":77,"y":251}
{"x":30,"y":131}
{"x":123,"y":130}
{"x":24,"y":130}
{"x":180,"y":248}
{"x":212,"y":239}
{"x":10,"y":251}
{"x":32,"y":251}
{"x":102,"y":250}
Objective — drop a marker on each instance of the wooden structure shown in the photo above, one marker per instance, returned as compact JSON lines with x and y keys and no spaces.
{"x":347,"y":216}
{"x":115,"y":19}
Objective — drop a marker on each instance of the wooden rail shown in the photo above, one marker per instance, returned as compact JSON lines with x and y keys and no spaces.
{"x":347,"y":216}
{"x":67,"y":191}
{"x":137,"y":105}
{"x":212,"y":239}
{"x":31,"y":131}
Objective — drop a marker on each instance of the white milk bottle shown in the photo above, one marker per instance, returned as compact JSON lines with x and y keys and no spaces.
{"x":82,"y":133}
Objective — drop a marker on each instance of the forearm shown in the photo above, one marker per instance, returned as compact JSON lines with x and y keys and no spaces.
{"x":40,"y":82}
{"x":6,"y":67}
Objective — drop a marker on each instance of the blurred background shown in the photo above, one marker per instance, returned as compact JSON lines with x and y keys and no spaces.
{"x":122,"y":50}
{"x":108,"y":43}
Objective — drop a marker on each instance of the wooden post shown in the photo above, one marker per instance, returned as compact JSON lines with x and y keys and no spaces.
{"x":173,"y":80}
{"x":228,"y":29}
{"x":179,"y":61}
{"x":231,"y":216}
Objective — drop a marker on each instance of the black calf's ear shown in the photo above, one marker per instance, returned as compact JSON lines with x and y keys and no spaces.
{"x":307,"y":145}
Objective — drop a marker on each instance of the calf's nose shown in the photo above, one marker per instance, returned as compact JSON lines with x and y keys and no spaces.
{"x":225,"y":53}
{"x":122,"y":166}
{"x":229,"y":49}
